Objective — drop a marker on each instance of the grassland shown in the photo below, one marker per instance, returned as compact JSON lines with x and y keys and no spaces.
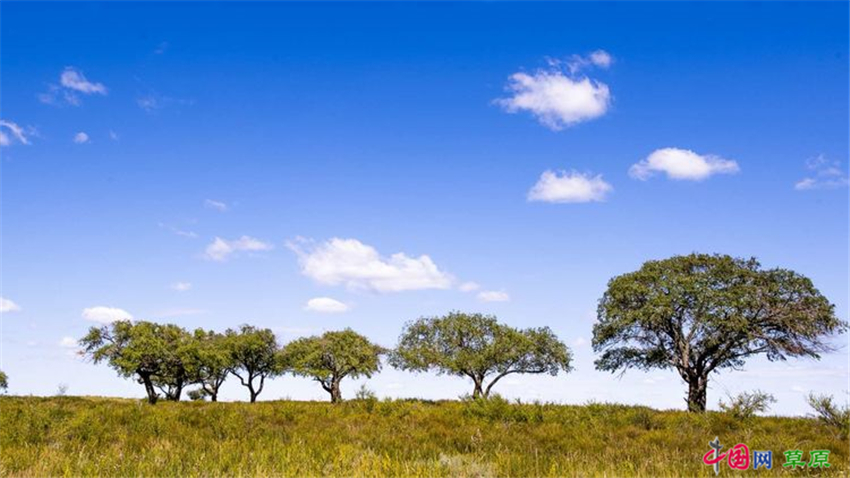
{"x":73,"y":436}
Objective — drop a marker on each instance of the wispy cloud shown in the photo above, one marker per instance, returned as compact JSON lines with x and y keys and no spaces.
{"x":72,"y":83}
{"x":68,"y":343}
{"x":569,"y":187}
{"x":599,"y":59}
{"x":558,"y":97}
{"x":181,"y":286}
{"x":7,"y":305}
{"x":179,"y":232}
{"x":326,"y":305}
{"x":823,"y":174}
{"x":153,"y":101}
{"x":221,"y":249}
{"x":356,"y":265}
{"x":682,"y":164}
{"x":11,"y":133}
{"x":469,"y":287}
{"x":106,"y":315}
{"x":217,"y":205}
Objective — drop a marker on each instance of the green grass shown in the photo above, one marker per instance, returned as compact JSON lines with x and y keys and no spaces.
{"x":71,"y":436}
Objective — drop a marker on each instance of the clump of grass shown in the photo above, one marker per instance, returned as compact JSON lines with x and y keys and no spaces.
{"x":73,"y":436}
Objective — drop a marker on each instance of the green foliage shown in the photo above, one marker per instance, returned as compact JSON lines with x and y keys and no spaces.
{"x":4,"y":381}
{"x":831,"y":414}
{"x":478,"y":347}
{"x":701,"y":313}
{"x":331,"y":357}
{"x":745,"y":405}
{"x":215,"y":361}
{"x":197,"y":394}
{"x":160,"y":356}
{"x":254,"y":356}
{"x":72,"y":436}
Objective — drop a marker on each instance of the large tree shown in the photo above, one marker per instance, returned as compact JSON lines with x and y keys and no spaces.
{"x":331,"y":357}
{"x":478,"y":347}
{"x":701,"y":313}
{"x":4,"y":381}
{"x":214,"y":361}
{"x":254,"y":355}
{"x":158,"y":355}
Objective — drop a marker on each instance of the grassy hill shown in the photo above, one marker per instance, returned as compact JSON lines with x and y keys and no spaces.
{"x":73,"y":436}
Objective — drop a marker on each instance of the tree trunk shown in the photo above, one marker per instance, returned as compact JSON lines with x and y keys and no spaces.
{"x":696,"y":394}
{"x":478,"y":391}
{"x":146,"y":379}
{"x":336,"y":393}
{"x":214,"y":397}
{"x":253,"y":394}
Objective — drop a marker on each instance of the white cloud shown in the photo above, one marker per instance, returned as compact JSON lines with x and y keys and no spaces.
{"x":359,"y":266}
{"x":825,"y":174}
{"x":601,"y":58}
{"x":74,"y":79}
{"x":113,"y":135}
{"x":557,"y":99}
{"x":181,"y":286}
{"x":217,"y":205}
{"x":106,"y":315}
{"x":326,"y":305}
{"x":17,"y":134}
{"x":469,"y":287}
{"x":178,"y":232}
{"x":579,"y":342}
{"x":493,"y":296}
{"x":68,"y":343}
{"x":81,"y":138}
{"x":72,"y":83}
{"x":220,"y":249}
{"x":682,"y":164}
{"x":569,"y":187}
{"x":6,"y":305}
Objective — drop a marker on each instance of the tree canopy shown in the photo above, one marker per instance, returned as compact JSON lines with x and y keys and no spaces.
{"x":160,"y":356}
{"x":701,"y":313}
{"x":214,"y":361}
{"x":254,"y":357}
{"x":478,"y":347}
{"x":4,"y":381}
{"x":331,"y":357}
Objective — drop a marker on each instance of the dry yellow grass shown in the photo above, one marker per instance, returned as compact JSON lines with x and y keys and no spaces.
{"x":71,"y":436}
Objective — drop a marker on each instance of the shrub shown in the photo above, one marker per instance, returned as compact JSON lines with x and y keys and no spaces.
{"x":829,"y":413}
{"x":197,"y":394}
{"x":746,"y":404}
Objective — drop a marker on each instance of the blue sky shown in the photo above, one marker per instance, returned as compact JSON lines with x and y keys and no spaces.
{"x":394,"y":158}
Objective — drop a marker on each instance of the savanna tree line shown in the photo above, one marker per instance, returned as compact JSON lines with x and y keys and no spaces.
{"x":695,"y":314}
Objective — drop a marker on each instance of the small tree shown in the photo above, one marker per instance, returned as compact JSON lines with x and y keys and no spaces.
{"x":830,"y":413}
{"x":701,"y":313}
{"x":331,"y":357}
{"x":179,"y":366}
{"x":158,"y":355}
{"x":478,"y":347}
{"x":4,"y":381}
{"x":746,"y":404}
{"x":253,"y":352}
{"x":214,"y":361}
